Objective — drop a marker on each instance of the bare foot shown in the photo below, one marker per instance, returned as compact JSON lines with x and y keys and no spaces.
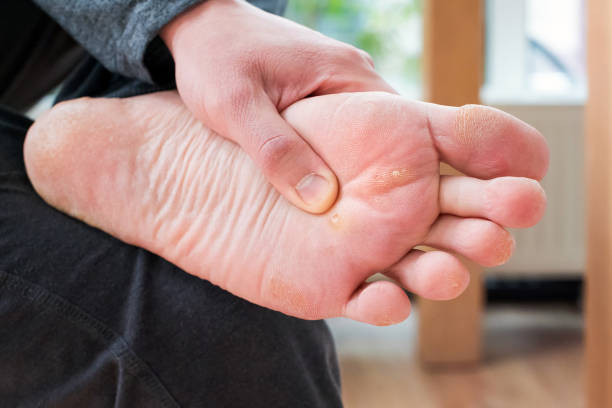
{"x":145,"y":171}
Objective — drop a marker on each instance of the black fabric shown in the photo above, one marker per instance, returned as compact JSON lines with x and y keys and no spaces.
{"x":123,"y":34}
{"x":36,"y":53}
{"x":88,"y":321}
{"x":91,"y":79}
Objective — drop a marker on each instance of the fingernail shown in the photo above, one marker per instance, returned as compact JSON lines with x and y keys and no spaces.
{"x":313,"y":189}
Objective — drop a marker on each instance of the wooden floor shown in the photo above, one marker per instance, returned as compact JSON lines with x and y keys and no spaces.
{"x":533,"y":358}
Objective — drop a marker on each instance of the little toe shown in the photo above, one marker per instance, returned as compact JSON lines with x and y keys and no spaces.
{"x":381,"y":303}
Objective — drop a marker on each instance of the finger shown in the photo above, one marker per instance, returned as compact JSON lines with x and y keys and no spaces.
{"x":480,"y":240}
{"x":380,"y":303}
{"x":367,"y":81}
{"x":434,"y":275}
{"x":485,"y":142}
{"x":513,"y":202}
{"x":286,"y":159}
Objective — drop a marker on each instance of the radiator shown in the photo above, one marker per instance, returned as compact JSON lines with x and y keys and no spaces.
{"x":556,"y":246}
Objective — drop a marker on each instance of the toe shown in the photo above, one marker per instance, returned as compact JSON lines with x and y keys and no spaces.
{"x":480,"y":240}
{"x":380,"y":303}
{"x":434,"y":275}
{"x":485,"y":142}
{"x":513,"y":202}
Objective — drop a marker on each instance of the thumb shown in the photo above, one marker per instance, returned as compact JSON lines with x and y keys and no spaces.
{"x":285,"y":158}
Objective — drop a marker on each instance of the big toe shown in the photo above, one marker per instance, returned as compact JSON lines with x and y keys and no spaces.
{"x":485,"y":142}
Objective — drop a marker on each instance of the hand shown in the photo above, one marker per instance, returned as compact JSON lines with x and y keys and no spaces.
{"x":238,"y":66}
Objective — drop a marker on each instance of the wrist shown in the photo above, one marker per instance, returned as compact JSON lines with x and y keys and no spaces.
{"x":178,"y":31}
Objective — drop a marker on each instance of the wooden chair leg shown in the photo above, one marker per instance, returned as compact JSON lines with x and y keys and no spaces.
{"x":450,"y":332}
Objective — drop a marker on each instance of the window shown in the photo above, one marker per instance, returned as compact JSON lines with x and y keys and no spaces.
{"x":535,"y":52}
{"x":391,"y":31}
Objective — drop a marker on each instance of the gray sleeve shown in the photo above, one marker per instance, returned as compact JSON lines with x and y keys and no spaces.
{"x":122,"y":34}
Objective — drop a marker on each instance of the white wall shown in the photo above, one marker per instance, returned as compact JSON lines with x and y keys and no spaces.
{"x":557,"y":244}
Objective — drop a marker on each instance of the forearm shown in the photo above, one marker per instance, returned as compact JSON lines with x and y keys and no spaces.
{"x":123,"y":34}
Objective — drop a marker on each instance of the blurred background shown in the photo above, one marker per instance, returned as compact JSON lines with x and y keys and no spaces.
{"x":531,"y":327}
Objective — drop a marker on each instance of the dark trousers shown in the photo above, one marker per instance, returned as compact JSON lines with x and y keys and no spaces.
{"x":89,"y":321}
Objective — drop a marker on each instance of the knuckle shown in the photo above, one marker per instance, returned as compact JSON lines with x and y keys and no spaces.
{"x":356,"y":54}
{"x":352,"y":52}
{"x":497,"y":166}
{"x":367,"y":58}
{"x":274,"y":151}
{"x":489,"y":200}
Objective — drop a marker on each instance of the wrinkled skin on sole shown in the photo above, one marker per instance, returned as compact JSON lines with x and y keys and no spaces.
{"x":145,"y":171}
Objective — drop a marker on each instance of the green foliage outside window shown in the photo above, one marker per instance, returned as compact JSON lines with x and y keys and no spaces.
{"x":390,"y":30}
